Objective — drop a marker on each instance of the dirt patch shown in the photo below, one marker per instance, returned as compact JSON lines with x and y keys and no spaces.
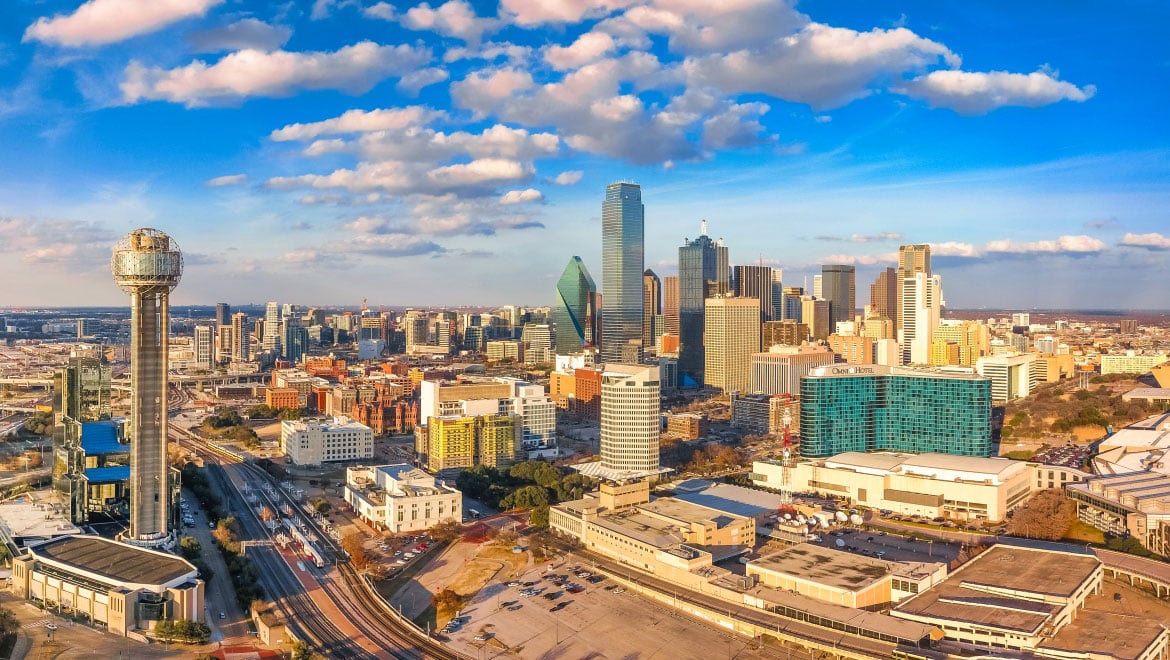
{"x":1088,"y":433}
{"x":475,"y":575}
{"x":518,"y":562}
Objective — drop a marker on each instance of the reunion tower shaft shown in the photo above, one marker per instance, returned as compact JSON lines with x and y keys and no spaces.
{"x":147,"y":264}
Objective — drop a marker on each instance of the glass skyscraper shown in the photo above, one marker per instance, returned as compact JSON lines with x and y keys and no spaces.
{"x":622,"y":257}
{"x":869,"y":407}
{"x":839,"y":287}
{"x":575,"y":310}
{"x":702,"y":272}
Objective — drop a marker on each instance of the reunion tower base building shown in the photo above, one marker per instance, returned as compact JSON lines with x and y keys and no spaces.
{"x":147,"y":264}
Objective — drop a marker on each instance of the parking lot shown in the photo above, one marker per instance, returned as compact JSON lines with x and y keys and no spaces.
{"x":559,"y":613}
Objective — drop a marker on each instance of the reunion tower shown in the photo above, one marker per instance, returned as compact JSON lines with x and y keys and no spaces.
{"x":147,"y":264}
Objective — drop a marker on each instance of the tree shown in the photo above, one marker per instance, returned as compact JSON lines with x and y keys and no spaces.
{"x":448,"y":600}
{"x":1047,"y":515}
{"x":539,"y":517}
{"x":320,"y":505}
{"x":9,"y":625}
{"x":267,"y":515}
{"x":354,"y":545}
{"x":447,"y":530}
{"x":226,"y":532}
{"x":301,"y":651}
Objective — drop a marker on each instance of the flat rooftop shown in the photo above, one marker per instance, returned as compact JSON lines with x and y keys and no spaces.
{"x":1029,"y":570}
{"x":644,"y":528}
{"x":966,"y":595}
{"x":118,"y":562}
{"x":26,"y":518}
{"x":832,"y":568}
{"x":687,"y":512}
{"x":1100,"y":632}
{"x":736,"y":500}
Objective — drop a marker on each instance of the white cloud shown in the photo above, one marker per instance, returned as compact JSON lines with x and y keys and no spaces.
{"x":482,"y":90}
{"x":382,"y":10}
{"x":589,"y":47}
{"x":568,"y":177}
{"x":863,"y":238}
{"x":515,"y":54}
{"x":481,"y":171}
{"x":227,"y":180}
{"x":358,"y":121}
{"x":955,"y":249}
{"x":352,"y":69}
{"x":454,"y":18}
{"x":535,"y":12}
{"x":976,"y":93}
{"x":707,"y":27}
{"x":414,"y":81}
{"x":860,"y":260}
{"x":1065,"y":244}
{"x":78,"y":246}
{"x":822,"y":66}
{"x":525,"y":196}
{"x":1150,"y":241}
{"x":101,"y":22}
{"x":241,"y":35}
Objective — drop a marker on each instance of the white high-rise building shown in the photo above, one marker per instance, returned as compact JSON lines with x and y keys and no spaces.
{"x":1012,"y":376}
{"x":919,"y":303}
{"x":204,"y":346}
{"x":271,"y":340}
{"x":630,"y":407}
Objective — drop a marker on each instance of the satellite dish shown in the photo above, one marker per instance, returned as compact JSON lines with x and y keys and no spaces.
{"x":840,"y":543}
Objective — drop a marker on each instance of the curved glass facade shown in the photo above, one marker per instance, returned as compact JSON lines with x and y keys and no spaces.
{"x":574,"y":311}
{"x":888,"y":409}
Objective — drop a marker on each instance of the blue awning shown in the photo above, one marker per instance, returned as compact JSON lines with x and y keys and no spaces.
{"x":101,"y":438}
{"x":104,"y":475}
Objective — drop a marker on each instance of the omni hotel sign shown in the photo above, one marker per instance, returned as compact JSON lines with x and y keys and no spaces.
{"x":847,"y":370}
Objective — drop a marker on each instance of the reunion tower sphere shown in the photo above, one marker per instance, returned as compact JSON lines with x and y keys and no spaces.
{"x":147,"y":261}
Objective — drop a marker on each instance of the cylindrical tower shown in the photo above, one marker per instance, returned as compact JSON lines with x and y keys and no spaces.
{"x":147,"y":264}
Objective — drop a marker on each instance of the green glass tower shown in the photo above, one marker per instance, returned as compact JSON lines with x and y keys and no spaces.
{"x":575,"y":312}
{"x":869,"y":407}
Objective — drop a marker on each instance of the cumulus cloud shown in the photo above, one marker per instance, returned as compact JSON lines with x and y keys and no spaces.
{"x":454,"y":18}
{"x":860,"y":260}
{"x":536,"y":12}
{"x":241,"y":35}
{"x":65,"y":243}
{"x":481,"y":171}
{"x":977,"y":93}
{"x":955,"y":249}
{"x":705,"y":27}
{"x":358,"y":121}
{"x":1150,"y":241}
{"x":525,"y":196}
{"x":822,"y":66}
{"x":101,"y":22}
{"x":352,"y":69}
{"x":414,"y":81}
{"x":227,"y":180}
{"x":1063,"y":245}
{"x":568,"y":177}
{"x":587,"y":48}
{"x":862,"y":238}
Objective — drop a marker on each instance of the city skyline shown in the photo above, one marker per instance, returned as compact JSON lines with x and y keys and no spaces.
{"x":457,"y":154}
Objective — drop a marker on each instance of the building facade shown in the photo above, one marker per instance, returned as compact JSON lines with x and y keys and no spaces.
{"x":317,"y":441}
{"x":401,"y":498}
{"x":780,"y":369}
{"x":702,"y":273}
{"x":630,"y":405}
{"x":919,"y":303}
{"x":622,"y":255}
{"x":866,"y":408}
{"x":839,"y":287}
{"x":731,"y":334}
{"x":575,"y":312}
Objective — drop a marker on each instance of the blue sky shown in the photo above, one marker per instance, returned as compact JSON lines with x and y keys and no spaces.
{"x":456,"y":153}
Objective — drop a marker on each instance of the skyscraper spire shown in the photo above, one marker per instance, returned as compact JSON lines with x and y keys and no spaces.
{"x":703,"y":227}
